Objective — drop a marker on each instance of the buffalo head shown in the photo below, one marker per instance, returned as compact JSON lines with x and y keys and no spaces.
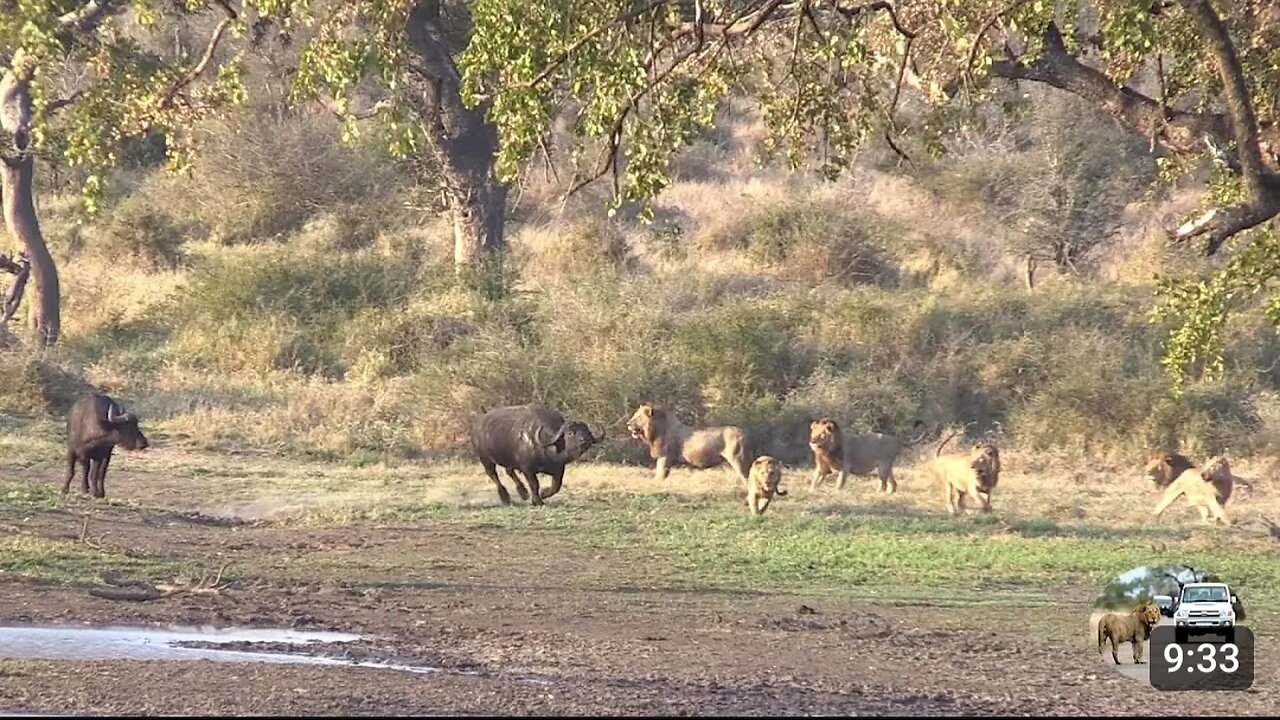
{"x":125,"y":426}
{"x":572,"y":440}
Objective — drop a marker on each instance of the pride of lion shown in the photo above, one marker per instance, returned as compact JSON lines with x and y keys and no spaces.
{"x":966,"y":477}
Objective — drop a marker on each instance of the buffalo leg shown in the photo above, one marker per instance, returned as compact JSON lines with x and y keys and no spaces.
{"x":535,"y":496}
{"x":492,"y":471}
{"x":71,"y":472}
{"x":100,"y":477}
{"x":89,"y":461}
{"x":557,"y":478}
{"x":515,"y":479}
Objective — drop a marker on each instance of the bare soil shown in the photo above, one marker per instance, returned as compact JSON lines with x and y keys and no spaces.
{"x":516,"y":630}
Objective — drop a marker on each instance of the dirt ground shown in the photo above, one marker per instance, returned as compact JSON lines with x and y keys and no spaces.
{"x":514,"y":629}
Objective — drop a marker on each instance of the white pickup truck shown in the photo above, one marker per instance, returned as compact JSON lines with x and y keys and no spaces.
{"x":1206,"y":606}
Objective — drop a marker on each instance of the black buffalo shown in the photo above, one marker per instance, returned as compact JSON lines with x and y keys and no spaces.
{"x":95,"y":425}
{"x":531,"y":439}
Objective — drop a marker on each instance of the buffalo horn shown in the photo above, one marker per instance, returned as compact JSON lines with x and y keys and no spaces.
{"x":116,"y":414}
{"x":559,"y":434}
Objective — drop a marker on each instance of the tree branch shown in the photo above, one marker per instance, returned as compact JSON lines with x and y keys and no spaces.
{"x":1219,"y":225}
{"x":199,"y":68}
{"x":577,"y":44}
{"x":86,"y":19}
{"x":1058,"y":68}
{"x":982,"y":33}
{"x":1244,"y":122}
{"x":852,"y":11}
{"x":54,"y":106}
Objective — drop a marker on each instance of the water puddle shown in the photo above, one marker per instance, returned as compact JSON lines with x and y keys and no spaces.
{"x":168,"y":643}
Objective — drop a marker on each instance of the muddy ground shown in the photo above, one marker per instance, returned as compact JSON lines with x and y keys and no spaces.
{"x":539,"y":623}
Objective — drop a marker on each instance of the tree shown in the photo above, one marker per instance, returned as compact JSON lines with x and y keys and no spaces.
{"x":115,"y":87}
{"x":829,"y":75}
{"x":405,"y":50}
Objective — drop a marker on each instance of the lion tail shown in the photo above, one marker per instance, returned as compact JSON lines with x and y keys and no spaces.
{"x":947,"y":439}
{"x":1101,"y":622}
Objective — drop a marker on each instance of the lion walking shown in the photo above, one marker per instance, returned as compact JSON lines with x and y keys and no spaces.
{"x":972,"y":475}
{"x":763,"y":485}
{"x":1131,"y":627}
{"x":671,"y":442}
{"x":835,"y":452}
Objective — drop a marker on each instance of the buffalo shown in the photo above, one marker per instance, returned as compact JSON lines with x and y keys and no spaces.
{"x":531,"y":439}
{"x":95,"y":425}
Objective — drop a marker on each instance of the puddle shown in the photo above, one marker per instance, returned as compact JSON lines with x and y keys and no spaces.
{"x":167,"y":643}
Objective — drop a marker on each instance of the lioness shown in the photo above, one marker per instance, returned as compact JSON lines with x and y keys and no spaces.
{"x":1131,"y":627}
{"x":766,"y":475}
{"x":1205,"y":492}
{"x":855,"y":454}
{"x":974,"y":474}
{"x":671,"y":442}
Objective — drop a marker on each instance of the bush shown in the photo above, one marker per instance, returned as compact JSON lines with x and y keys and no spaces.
{"x":261,"y":177}
{"x":809,"y":241}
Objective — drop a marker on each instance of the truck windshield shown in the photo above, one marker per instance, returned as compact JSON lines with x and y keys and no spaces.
{"x":1204,"y":594}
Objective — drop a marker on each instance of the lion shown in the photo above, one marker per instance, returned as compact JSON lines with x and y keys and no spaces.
{"x":1131,"y":627}
{"x":973,"y":475}
{"x":855,"y":454}
{"x":1165,"y":467}
{"x":1206,"y":491}
{"x":671,"y":442}
{"x":766,"y":475}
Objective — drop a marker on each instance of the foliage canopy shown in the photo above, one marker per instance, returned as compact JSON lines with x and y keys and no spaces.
{"x":1199,"y":78}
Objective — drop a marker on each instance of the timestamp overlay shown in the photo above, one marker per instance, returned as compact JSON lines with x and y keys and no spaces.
{"x":1194,"y":660}
{"x":1174,"y":627}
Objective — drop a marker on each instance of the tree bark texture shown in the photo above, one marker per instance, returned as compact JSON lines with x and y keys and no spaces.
{"x":464,"y":143}
{"x":17,"y":171}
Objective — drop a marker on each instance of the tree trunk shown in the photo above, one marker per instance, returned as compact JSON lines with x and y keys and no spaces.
{"x":17,"y":169}
{"x":464,"y":143}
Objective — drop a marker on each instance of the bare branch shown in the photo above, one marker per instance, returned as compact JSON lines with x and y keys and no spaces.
{"x":199,"y":67}
{"x":54,"y":106}
{"x":747,"y":22}
{"x":853,"y":11}
{"x":86,"y":19}
{"x":1219,"y":225}
{"x":143,"y":591}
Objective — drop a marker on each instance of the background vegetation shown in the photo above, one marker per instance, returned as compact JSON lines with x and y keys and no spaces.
{"x":298,"y":295}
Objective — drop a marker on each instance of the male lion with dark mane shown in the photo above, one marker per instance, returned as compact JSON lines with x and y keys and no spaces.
{"x":1207,"y":490}
{"x":855,"y":454}
{"x":974,"y":474}
{"x":766,"y":475}
{"x":1131,"y":627}
{"x":671,"y":442}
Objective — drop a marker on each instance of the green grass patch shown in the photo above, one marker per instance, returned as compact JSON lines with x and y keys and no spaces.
{"x":68,"y":562}
{"x":707,"y":544}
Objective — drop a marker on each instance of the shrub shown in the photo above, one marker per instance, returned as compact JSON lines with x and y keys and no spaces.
{"x":811,"y":241}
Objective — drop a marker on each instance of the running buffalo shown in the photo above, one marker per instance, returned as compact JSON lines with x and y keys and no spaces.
{"x":531,"y":439}
{"x":95,"y":425}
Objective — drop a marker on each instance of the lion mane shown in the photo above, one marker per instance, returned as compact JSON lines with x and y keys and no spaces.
{"x":1206,"y":488}
{"x":763,"y":485}
{"x":1131,"y":627}
{"x":863,"y":454}
{"x":972,"y":475}
{"x":671,"y":442}
{"x":1164,"y":467}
